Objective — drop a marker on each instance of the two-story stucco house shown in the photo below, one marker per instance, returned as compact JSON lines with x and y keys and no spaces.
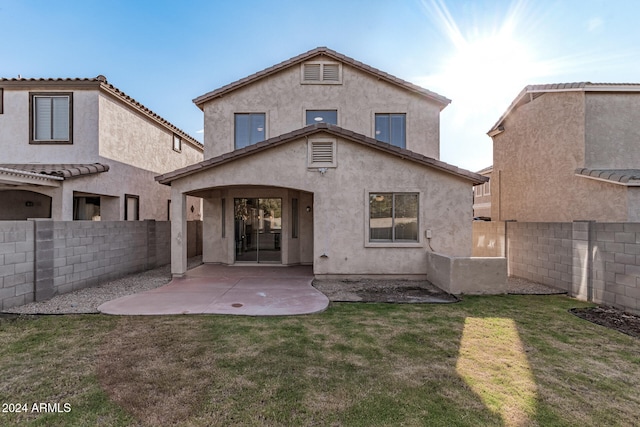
{"x":567,"y":152}
{"x":80,"y":149}
{"x":482,"y":196}
{"x":325,"y":161}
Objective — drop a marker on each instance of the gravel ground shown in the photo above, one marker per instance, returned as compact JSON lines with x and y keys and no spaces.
{"x":87,"y":300}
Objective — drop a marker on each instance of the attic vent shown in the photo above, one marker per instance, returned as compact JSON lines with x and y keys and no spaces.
{"x":321,"y":73}
{"x":331,"y":72}
{"x":322,"y":153}
{"x":311,"y":72}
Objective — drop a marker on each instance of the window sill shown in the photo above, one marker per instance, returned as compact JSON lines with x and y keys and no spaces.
{"x":393,"y":245}
{"x":51,"y":142}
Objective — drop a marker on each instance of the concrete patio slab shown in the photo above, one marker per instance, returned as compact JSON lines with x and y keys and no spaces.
{"x":238,"y":290}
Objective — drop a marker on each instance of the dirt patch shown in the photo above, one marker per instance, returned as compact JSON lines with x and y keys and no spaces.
{"x":611,"y":318}
{"x":154,"y":368}
{"x":376,"y":290}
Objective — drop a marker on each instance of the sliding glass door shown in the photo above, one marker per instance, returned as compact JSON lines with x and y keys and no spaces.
{"x":258,"y":226}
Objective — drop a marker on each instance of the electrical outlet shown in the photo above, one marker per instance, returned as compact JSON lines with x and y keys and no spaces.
{"x":428,"y":234}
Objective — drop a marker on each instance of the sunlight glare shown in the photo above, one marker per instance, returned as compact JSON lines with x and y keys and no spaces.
{"x":486,"y":64}
{"x":493,"y":362}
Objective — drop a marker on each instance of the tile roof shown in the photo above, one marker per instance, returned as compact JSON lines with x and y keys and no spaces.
{"x":536,"y":90}
{"x":627,"y":177}
{"x":101,"y":82}
{"x":199,"y":101}
{"x":64,"y":171}
{"x":310,"y":130}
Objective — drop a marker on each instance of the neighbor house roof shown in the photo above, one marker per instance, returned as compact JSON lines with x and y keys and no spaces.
{"x":626,"y":177}
{"x":101,"y":83}
{"x":531,"y":92}
{"x":324,"y":51}
{"x":63,"y":171}
{"x":10,"y":177}
{"x":313,"y":129}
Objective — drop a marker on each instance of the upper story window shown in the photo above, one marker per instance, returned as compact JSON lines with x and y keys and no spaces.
{"x":391,"y":128}
{"x":51,"y":118}
{"x":322,"y":116}
{"x":249,"y":129}
{"x":322,"y":73}
{"x":1,"y":100}
{"x":177,"y":143}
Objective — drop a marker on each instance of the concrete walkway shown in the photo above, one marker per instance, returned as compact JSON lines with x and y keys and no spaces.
{"x":219,"y":289}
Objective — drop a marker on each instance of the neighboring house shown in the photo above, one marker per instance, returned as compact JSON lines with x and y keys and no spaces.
{"x":80,"y":149}
{"x":323,"y":160}
{"x":567,"y":152}
{"x":482,"y":196}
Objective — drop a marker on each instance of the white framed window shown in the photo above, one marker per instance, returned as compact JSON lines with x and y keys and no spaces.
{"x":321,"y":153}
{"x":249,"y":129}
{"x":487,"y":188}
{"x":320,"y":72}
{"x":391,"y":128}
{"x":177,"y":143}
{"x":478,"y":190}
{"x":393,"y":217}
{"x":51,"y":118}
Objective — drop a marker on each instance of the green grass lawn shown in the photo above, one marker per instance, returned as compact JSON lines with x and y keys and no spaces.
{"x":502,"y":360}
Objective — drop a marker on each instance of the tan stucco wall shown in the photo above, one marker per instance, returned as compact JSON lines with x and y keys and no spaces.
{"x":129,"y":137}
{"x":612,"y":130}
{"x":14,"y":130}
{"x":106,"y":131}
{"x":534,"y":162}
{"x":340,"y":199}
{"x":284,"y":100}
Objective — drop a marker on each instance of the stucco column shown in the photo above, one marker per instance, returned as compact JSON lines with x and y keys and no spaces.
{"x":178,"y":232}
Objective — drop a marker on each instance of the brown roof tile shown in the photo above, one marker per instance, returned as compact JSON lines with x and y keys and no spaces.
{"x":199,"y":101}
{"x":628,"y":177}
{"x":536,"y":90}
{"x":167,"y":178}
{"x":60,"y":170}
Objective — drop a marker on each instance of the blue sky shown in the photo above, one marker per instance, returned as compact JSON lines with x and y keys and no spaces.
{"x":478,"y":53}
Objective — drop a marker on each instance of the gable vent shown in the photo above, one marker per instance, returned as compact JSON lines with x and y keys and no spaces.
{"x":322,"y":153}
{"x":322,"y":73}
{"x":331,"y":72}
{"x":311,"y":72}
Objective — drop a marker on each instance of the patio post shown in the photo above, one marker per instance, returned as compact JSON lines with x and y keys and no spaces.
{"x":178,"y":232}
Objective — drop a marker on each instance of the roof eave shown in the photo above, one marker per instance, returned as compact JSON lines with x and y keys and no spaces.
{"x":217,"y":93}
{"x":475,"y":178}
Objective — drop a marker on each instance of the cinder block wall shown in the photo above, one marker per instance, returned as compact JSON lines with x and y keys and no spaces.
{"x":542,"y":252}
{"x":87,"y":253}
{"x":42,"y":258}
{"x":16,"y":263}
{"x":592,"y":261}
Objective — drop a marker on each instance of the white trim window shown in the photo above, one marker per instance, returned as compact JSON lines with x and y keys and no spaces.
{"x":393,"y":217}
{"x":320,"y":72}
{"x":51,"y":118}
